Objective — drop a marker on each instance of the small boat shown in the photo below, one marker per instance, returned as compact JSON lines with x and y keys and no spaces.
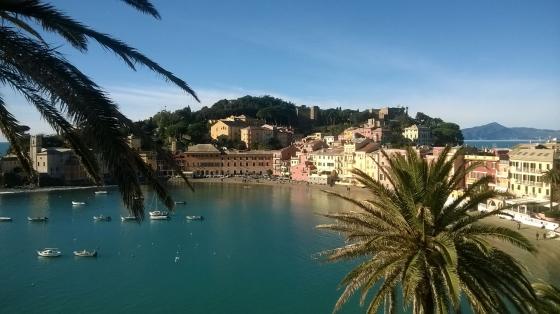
{"x":195,"y":218}
{"x":102,"y":218}
{"x":5,"y":219}
{"x":180,"y":203}
{"x":49,"y":252}
{"x":37,"y":219}
{"x":85,"y":253}
{"x":76,"y":203}
{"x":159,"y":213}
{"x":102,"y":192}
{"x":128,"y":218}
{"x":159,"y":217}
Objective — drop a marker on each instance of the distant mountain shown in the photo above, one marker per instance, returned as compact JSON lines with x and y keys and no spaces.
{"x":496,"y":131}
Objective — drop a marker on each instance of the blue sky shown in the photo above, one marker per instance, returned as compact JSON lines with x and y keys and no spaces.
{"x":470,"y":62}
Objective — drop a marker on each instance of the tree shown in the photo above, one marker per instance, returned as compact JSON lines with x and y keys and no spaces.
{"x":64,"y":96}
{"x":552,"y":177}
{"x":410,"y":241}
{"x":548,"y":298}
{"x":447,"y":134}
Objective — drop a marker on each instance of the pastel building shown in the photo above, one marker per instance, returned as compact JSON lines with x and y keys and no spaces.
{"x":231,"y":129}
{"x":255,"y":135}
{"x":421,"y":135}
{"x":526,"y":167}
{"x":281,"y":160}
{"x":56,"y":162}
{"x":205,"y":159}
{"x":328,"y":161}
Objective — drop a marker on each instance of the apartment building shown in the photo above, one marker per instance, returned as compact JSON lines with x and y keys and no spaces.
{"x":205,"y":159}
{"x":526,"y":167}
{"x":421,"y":135}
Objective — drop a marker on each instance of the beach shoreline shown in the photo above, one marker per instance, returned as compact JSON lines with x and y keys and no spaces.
{"x":48,"y":189}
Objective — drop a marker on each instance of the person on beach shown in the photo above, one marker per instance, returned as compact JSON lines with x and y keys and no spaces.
{"x":518,"y":225}
{"x":537,"y":236}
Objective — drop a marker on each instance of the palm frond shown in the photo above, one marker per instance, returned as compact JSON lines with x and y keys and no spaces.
{"x":144,"y":6}
{"x":77,"y":34}
{"x":13,"y":131}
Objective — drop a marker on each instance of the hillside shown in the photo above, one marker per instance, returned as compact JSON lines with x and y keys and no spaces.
{"x":496,"y":131}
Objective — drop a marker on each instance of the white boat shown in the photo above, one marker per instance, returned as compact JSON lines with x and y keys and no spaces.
{"x":49,"y":252}
{"x":194,"y":217}
{"x":159,"y":217}
{"x":100,"y":192}
{"x":102,"y":218}
{"x":159,"y":213}
{"x":5,"y":219}
{"x":37,"y":219}
{"x":85,"y":253}
{"x":128,"y":218}
{"x":76,"y":203}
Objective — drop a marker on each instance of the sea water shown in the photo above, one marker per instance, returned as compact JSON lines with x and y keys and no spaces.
{"x":253,"y":253}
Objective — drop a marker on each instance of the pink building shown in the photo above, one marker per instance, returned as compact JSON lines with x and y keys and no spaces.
{"x":301,"y":167}
{"x":281,"y":160}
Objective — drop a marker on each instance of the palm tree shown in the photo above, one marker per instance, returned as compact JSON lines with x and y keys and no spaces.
{"x":552,"y":177}
{"x":412,"y":242}
{"x":66,"y":98}
{"x":548,"y":298}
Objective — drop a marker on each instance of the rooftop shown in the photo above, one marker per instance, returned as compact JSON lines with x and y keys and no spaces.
{"x":202,"y":148}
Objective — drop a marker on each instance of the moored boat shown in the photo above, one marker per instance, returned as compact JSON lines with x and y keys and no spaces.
{"x":76,"y":203}
{"x":37,"y":219}
{"x":85,"y":253}
{"x":159,"y":213}
{"x":194,"y":217}
{"x":180,"y":203}
{"x":100,"y":192}
{"x":49,"y":252}
{"x":128,"y":218}
{"x":102,"y":218}
{"x":159,"y":217}
{"x":5,"y":219}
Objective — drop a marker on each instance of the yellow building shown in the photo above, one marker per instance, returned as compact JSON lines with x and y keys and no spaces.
{"x":231,"y":129}
{"x":419,"y":134}
{"x":327,"y":160}
{"x":526,"y":167}
{"x":254,"y":135}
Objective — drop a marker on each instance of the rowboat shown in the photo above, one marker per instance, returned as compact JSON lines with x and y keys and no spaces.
{"x":76,"y":203}
{"x":128,"y":218}
{"x":100,"y":192}
{"x":180,"y":203}
{"x":194,"y":217}
{"x":102,"y":218}
{"x":37,"y":219}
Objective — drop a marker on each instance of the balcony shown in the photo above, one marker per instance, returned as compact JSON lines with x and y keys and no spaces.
{"x":528,"y":170}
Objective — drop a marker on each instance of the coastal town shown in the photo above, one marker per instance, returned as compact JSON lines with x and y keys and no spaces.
{"x":326,"y":159}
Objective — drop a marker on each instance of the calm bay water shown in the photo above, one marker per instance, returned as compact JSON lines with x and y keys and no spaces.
{"x":497,"y":143}
{"x":252,"y":254}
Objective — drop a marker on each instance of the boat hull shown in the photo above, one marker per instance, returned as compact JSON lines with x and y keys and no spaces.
{"x":85,"y":254}
{"x":165,"y":217}
{"x":37,"y":219}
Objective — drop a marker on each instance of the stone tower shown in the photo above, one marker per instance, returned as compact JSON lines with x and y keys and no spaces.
{"x":35,"y":145}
